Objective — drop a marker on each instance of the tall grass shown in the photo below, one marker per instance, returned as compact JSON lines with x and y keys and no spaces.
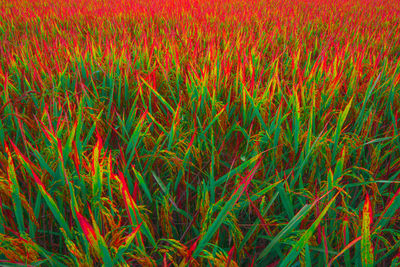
{"x":196,"y":133}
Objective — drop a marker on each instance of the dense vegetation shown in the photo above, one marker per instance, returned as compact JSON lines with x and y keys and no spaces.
{"x":184,"y":132}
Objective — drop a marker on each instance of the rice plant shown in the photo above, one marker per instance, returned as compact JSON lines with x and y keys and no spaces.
{"x":199,"y":133}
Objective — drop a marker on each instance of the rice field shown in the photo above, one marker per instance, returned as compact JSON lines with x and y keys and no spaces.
{"x":199,"y":133}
